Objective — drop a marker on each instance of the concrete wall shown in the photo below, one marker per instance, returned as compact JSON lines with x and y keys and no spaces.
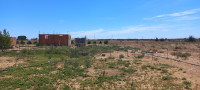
{"x":55,"y":39}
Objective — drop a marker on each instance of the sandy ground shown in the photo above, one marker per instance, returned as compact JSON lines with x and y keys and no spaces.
{"x":8,"y":61}
{"x":192,"y":73}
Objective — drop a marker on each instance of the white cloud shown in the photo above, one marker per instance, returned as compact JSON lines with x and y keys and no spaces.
{"x":86,"y":33}
{"x":101,"y":33}
{"x":187,"y":18}
{"x":135,"y":29}
{"x":193,"y":11}
{"x":178,"y":14}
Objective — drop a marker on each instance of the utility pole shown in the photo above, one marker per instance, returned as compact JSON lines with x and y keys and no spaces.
{"x":127,"y":53}
{"x":199,"y":51}
{"x":110,"y":50}
{"x":167,"y":53}
{"x":152,"y":55}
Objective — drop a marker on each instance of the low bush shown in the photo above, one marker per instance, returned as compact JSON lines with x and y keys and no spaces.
{"x":111,"y":64}
{"x":121,"y":56}
{"x":166,"y":78}
{"x":129,"y":70}
{"x":179,"y":54}
{"x":187,"y":83}
{"x":140,"y":56}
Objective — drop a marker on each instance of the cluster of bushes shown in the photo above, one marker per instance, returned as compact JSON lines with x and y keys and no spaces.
{"x":100,"y":42}
{"x":179,"y":54}
{"x":140,"y":56}
{"x":129,"y":70}
{"x":61,"y":51}
{"x":191,"y":39}
{"x":29,"y":42}
{"x":161,"y":39}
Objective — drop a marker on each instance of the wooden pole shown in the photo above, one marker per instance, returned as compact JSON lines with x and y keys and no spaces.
{"x":167,"y":53}
{"x":110,"y":51}
{"x":199,"y":51}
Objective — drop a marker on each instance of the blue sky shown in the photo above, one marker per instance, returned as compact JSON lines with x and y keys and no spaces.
{"x":125,"y":19}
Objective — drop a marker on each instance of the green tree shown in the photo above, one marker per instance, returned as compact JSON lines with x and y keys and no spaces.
{"x":17,"y":42}
{"x":157,"y":39}
{"x":5,"y":40}
{"x":87,"y":63}
{"x":89,"y":42}
{"x":94,"y":42}
{"x":72,"y":42}
{"x":162,"y":39}
{"x":22,"y":42}
{"x":106,"y":42}
{"x":100,"y":42}
{"x":29,"y":42}
{"x":191,"y":39}
{"x":35,"y":42}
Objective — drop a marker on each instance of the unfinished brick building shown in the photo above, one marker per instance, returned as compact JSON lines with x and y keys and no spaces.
{"x":80,"y":42}
{"x":54,"y":39}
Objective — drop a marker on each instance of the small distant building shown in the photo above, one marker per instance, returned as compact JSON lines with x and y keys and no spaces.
{"x":34,"y":38}
{"x":21,"y":38}
{"x":54,"y":39}
{"x":13,"y":42}
{"x":80,"y":42}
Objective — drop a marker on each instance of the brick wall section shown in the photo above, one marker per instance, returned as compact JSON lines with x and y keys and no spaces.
{"x":13,"y":42}
{"x":55,"y":39}
{"x":69,"y":40}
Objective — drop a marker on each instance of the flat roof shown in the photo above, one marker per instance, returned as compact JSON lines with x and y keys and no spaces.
{"x":53,"y":34}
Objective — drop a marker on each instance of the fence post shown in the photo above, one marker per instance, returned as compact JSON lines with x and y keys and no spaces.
{"x":167,"y":53}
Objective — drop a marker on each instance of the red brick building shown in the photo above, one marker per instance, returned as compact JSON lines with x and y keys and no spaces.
{"x":55,"y":39}
{"x":13,"y":42}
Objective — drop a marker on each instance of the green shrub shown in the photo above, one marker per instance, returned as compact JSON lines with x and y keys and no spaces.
{"x":89,"y":42}
{"x":94,"y":42}
{"x":166,"y":78}
{"x":87,"y":82}
{"x":72,"y":42}
{"x":156,"y":39}
{"x":29,"y":42}
{"x":137,"y":61}
{"x":106,"y":42}
{"x":164,"y":71}
{"x":87,"y":63}
{"x":66,"y":87}
{"x":100,"y":42}
{"x":162,"y":39}
{"x":111,"y":64}
{"x":187,"y":83}
{"x":140,"y":56}
{"x":122,"y":74}
{"x":179,"y":54}
{"x":191,"y":39}
{"x":129,"y":70}
{"x":121,"y":56}
{"x":127,"y":64}
{"x":22,"y":42}
{"x":183,"y":78}
{"x":144,"y":67}
{"x":111,"y":57}
{"x":17,"y":42}
{"x":35,"y":42}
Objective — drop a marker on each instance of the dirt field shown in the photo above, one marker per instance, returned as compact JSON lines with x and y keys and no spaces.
{"x":191,"y":72}
{"x":151,"y":66}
